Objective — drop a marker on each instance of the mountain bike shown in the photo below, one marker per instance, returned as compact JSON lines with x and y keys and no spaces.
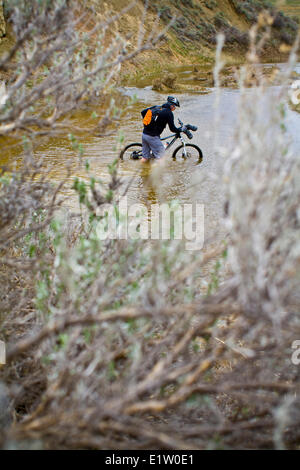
{"x":185,"y":150}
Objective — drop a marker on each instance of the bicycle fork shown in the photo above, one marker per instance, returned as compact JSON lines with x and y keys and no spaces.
{"x":184,"y":149}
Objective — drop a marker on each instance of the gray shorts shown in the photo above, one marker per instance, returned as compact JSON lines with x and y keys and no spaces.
{"x":153,"y":144}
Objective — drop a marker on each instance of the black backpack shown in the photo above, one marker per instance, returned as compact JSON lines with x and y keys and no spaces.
{"x":150,"y":115}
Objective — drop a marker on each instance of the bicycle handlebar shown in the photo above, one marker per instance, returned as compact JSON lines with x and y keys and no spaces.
{"x":187,"y":128}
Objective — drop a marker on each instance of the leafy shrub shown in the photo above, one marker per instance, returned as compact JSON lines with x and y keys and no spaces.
{"x":287,"y":38}
{"x":211,"y":4}
{"x":207,"y":32}
{"x":189,"y":3}
{"x":181,"y":22}
{"x":220,"y":21}
{"x":283,"y":22}
{"x":232,"y":34}
{"x":165,"y":13}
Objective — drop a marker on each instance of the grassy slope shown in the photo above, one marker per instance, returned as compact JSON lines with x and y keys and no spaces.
{"x":192,"y":38}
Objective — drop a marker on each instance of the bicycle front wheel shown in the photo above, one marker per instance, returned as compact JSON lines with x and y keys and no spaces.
{"x":131,"y":152}
{"x":188,"y":151}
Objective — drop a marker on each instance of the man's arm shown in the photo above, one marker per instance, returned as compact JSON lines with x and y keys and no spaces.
{"x":171,"y":124}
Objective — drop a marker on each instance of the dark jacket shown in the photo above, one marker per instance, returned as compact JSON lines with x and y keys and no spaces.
{"x":165,"y":117}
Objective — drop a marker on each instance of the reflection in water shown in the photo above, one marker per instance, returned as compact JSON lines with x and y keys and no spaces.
{"x":148,"y":194}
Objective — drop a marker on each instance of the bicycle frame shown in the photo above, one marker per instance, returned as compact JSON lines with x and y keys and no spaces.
{"x":174,"y":137}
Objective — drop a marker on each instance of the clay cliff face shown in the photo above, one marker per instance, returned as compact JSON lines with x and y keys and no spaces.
{"x":198,"y":22}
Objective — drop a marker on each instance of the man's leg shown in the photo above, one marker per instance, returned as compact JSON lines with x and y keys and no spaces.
{"x":145,"y":149}
{"x":157,"y":147}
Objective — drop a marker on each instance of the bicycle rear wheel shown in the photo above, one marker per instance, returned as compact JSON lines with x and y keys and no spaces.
{"x":188,"y":151}
{"x":131,"y":152}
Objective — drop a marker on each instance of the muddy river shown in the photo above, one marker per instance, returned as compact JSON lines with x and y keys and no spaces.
{"x":177,"y":181}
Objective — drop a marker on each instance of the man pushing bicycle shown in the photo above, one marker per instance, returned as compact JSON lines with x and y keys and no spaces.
{"x":155,"y":120}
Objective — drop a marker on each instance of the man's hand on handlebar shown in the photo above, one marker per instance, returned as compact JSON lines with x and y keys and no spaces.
{"x":179,"y":132}
{"x":186,"y":129}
